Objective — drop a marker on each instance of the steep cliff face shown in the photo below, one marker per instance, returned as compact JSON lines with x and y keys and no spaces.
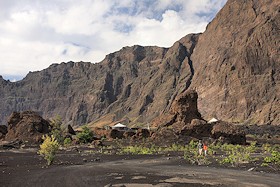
{"x":136,"y":83}
{"x":237,"y":63}
{"x":234,"y":66}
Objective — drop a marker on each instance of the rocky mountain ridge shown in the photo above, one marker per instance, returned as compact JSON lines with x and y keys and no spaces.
{"x":233,"y":65}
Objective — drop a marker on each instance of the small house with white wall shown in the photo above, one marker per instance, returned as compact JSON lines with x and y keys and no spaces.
{"x":120,"y":127}
{"x":213,"y":120}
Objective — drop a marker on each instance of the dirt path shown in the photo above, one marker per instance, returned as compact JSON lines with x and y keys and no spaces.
{"x":25,"y":169}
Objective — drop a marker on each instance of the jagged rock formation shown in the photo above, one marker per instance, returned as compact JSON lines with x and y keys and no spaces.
{"x":27,"y":126}
{"x":233,"y":65}
{"x":183,"y":110}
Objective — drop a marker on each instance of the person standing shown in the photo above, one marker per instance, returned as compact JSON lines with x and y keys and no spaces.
{"x":200,"y":147}
{"x":205,"y":148}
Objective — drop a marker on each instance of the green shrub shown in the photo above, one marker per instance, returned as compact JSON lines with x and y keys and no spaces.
{"x":193,"y":144}
{"x":67,"y":142}
{"x":49,"y":148}
{"x":274,"y":158}
{"x":266,"y":148}
{"x":57,"y":131}
{"x":86,"y":136}
{"x":252,"y":148}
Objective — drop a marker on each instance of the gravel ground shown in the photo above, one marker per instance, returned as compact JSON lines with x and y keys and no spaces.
{"x":73,"y":168}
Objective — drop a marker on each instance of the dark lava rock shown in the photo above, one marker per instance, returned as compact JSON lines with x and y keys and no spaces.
{"x":16,"y":144}
{"x":165,"y":136}
{"x":27,"y":126}
{"x":197,"y":128}
{"x":71,"y":130}
{"x":3,"y":131}
{"x":228,"y":133}
{"x":114,"y":134}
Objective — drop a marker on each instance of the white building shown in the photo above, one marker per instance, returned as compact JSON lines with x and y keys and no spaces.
{"x":213,"y":120}
{"x":120,"y":127}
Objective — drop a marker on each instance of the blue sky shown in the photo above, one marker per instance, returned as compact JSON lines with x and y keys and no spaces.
{"x":36,"y":33}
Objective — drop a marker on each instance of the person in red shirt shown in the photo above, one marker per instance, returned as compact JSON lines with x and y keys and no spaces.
{"x":205,"y":148}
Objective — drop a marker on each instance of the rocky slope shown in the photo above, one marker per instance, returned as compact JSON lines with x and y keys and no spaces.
{"x":237,"y":63}
{"x":233,"y":65}
{"x":136,"y":83}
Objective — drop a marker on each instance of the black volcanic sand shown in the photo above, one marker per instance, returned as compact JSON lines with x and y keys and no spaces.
{"x":73,"y":168}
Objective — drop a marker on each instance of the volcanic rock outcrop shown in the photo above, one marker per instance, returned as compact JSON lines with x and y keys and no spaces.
{"x":183,"y":119}
{"x":228,"y":133}
{"x":197,"y":128}
{"x":234,"y":66}
{"x":183,"y":110}
{"x":26,"y":126}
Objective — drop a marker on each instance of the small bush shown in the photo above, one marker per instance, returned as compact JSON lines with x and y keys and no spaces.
{"x":266,"y":148}
{"x":49,"y":148}
{"x":67,"y":142}
{"x":274,"y":158}
{"x":57,"y":131}
{"x":86,"y":136}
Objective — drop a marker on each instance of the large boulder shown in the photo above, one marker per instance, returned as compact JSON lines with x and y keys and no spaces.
{"x":197,"y":128}
{"x":228,"y":133}
{"x":27,"y":126}
{"x":116,"y":134}
{"x":165,"y":136}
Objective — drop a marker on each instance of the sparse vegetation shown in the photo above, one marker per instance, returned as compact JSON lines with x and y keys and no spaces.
{"x":49,"y":148}
{"x":86,"y":136}
{"x":224,"y":154}
{"x":192,"y":156}
{"x":273,"y":159}
{"x":67,"y":142}
{"x":57,"y":131}
{"x":237,"y":154}
{"x":139,"y":150}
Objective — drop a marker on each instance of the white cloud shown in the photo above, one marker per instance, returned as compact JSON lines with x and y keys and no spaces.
{"x":35,"y":33}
